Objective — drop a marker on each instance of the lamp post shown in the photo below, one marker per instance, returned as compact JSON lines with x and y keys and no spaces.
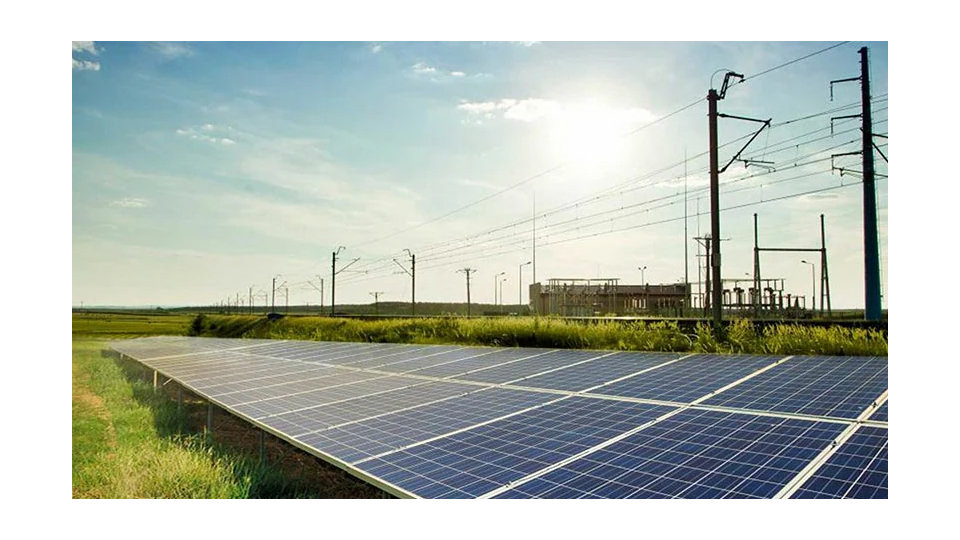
{"x":520,"y":285}
{"x":813,"y":285}
{"x":501,"y":294}
{"x":643,"y":281}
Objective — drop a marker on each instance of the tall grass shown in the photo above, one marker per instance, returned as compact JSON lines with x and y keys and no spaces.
{"x":130,"y":442}
{"x":741,"y":336}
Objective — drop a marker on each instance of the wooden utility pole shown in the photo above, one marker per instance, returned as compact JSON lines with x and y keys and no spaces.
{"x":717,"y":298}
{"x":467,"y":271}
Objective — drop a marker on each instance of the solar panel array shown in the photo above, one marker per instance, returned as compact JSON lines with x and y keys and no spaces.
{"x":469,"y":422}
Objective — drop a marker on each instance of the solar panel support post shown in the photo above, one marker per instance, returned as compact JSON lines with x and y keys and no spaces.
{"x":155,"y":387}
{"x":262,"y":446}
{"x":208,"y":429}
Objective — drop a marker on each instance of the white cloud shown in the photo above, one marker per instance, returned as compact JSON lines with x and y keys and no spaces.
{"x":209,"y":133}
{"x":376,"y":48}
{"x":85,"y":47}
{"x":85,"y":65}
{"x":130,"y":202}
{"x":171,"y":50}
{"x":422,"y":69}
{"x":524,"y":110}
{"x":536,"y":109}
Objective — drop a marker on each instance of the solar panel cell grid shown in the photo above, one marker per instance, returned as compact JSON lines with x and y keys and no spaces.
{"x":387,"y":433}
{"x":530,"y":366}
{"x":240,"y":382}
{"x":597,"y":371}
{"x":317,"y":418}
{"x":857,"y":470}
{"x":692,"y":454}
{"x":824,"y":386}
{"x":473,"y":462}
{"x":432,"y":358}
{"x":688,"y":379}
{"x":496,"y":357}
{"x":322,"y":396}
{"x":881,"y":412}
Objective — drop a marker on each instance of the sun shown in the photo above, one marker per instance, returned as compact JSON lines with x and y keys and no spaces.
{"x":590,"y":136}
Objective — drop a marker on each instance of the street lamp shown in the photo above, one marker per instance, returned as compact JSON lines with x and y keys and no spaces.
{"x":501,"y":294}
{"x":813,"y":284}
{"x":643,"y":281}
{"x":496,"y":283}
{"x":520,"y":285}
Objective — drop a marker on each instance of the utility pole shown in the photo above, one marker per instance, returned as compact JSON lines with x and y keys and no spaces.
{"x":534,"y":236}
{"x":824,"y":274}
{"x":273,"y":293}
{"x":871,"y":247}
{"x":413,"y":280}
{"x":714,"y":251}
{"x":286,"y":299}
{"x":686,"y":239}
{"x":712,"y":98}
{"x":467,"y":272}
{"x":250,"y":300}
{"x":376,"y":301}
{"x":333,"y":277}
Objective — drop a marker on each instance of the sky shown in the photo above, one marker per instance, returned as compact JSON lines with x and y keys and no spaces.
{"x":202,"y":170}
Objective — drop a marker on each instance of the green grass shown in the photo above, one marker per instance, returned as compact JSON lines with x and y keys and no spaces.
{"x":130,"y":442}
{"x":129,"y":325}
{"x":741,"y":335}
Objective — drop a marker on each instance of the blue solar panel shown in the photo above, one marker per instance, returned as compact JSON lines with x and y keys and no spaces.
{"x":230,"y":395}
{"x":429,"y":360}
{"x":386,"y":433}
{"x":530,"y":366}
{"x":305,"y":421}
{"x":379,"y":408}
{"x":881,"y":412}
{"x":474,"y":462}
{"x":355,"y":385}
{"x":598,"y":371}
{"x":857,"y":470}
{"x":241,"y":382}
{"x":497,"y":357}
{"x":688,"y":379}
{"x":837,"y":386}
{"x":693,"y":454}
{"x":386,"y":356}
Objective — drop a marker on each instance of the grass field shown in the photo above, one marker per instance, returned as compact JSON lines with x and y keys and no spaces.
{"x":130,"y":442}
{"x":741,"y":335}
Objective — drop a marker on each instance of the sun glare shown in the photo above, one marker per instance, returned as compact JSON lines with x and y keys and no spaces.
{"x":590,"y":135}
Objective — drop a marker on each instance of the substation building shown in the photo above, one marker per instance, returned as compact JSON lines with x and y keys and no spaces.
{"x":590,"y":297}
{"x":583,"y":297}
